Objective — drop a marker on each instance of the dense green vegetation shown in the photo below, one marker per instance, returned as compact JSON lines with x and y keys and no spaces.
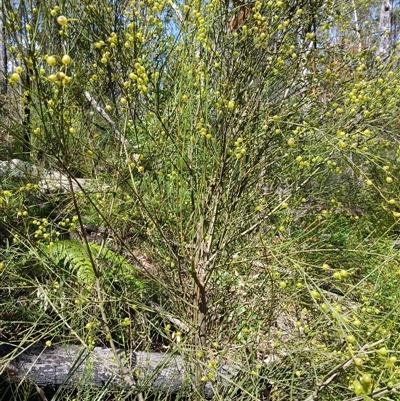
{"x":224,"y":185}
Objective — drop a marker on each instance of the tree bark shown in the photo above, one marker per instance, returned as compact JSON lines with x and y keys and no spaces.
{"x":3,"y":60}
{"x":73,"y":365}
{"x":385,"y":22}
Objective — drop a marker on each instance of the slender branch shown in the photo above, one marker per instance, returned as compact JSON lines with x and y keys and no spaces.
{"x":172,"y":319}
{"x":177,"y":11}
{"x":103,"y":113}
{"x":357,"y":25}
{"x":380,"y":392}
{"x":340,"y":369}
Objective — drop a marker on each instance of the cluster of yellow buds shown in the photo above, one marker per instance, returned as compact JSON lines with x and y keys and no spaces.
{"x":139,"y":76}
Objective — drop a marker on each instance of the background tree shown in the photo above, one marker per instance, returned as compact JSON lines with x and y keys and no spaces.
{"x":385,"y":24}
{"x":3,"y":61}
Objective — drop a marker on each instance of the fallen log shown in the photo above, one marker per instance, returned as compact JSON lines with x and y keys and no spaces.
{"x":47,"y":180}
{"x":72,"y":366}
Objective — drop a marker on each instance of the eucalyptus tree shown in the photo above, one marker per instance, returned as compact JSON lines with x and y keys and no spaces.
{"x":385,"y":25}
{"x":3,"y":61}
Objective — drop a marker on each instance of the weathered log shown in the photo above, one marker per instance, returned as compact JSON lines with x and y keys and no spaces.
{"x":17,"y":168}
{"x":47,"y":181}
{"x":70,"y":366}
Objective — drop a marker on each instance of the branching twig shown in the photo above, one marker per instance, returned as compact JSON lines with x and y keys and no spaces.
{"x":340,"y":369}
{"x":163,"y":313}
{"x":103,"y":113}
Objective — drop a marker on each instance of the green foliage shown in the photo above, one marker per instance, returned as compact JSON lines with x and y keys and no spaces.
{"x":74,"y":255}
{"x":245,"y":171}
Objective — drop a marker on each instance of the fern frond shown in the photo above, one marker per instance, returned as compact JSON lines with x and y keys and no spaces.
{"x":73,"y":256}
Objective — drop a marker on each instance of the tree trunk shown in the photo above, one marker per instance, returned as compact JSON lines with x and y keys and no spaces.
{"x":3,"y":61}
{"x":385,"y":28}
{"x":69,"y":366}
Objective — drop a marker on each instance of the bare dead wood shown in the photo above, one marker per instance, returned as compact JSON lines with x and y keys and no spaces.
{"x":70,"y":366}
{"x":242,"y":15}
{"x":48,"y":181}
{"x":116,"y":133}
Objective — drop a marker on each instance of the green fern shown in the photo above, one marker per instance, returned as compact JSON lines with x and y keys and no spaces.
{"x":74,"y":256}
